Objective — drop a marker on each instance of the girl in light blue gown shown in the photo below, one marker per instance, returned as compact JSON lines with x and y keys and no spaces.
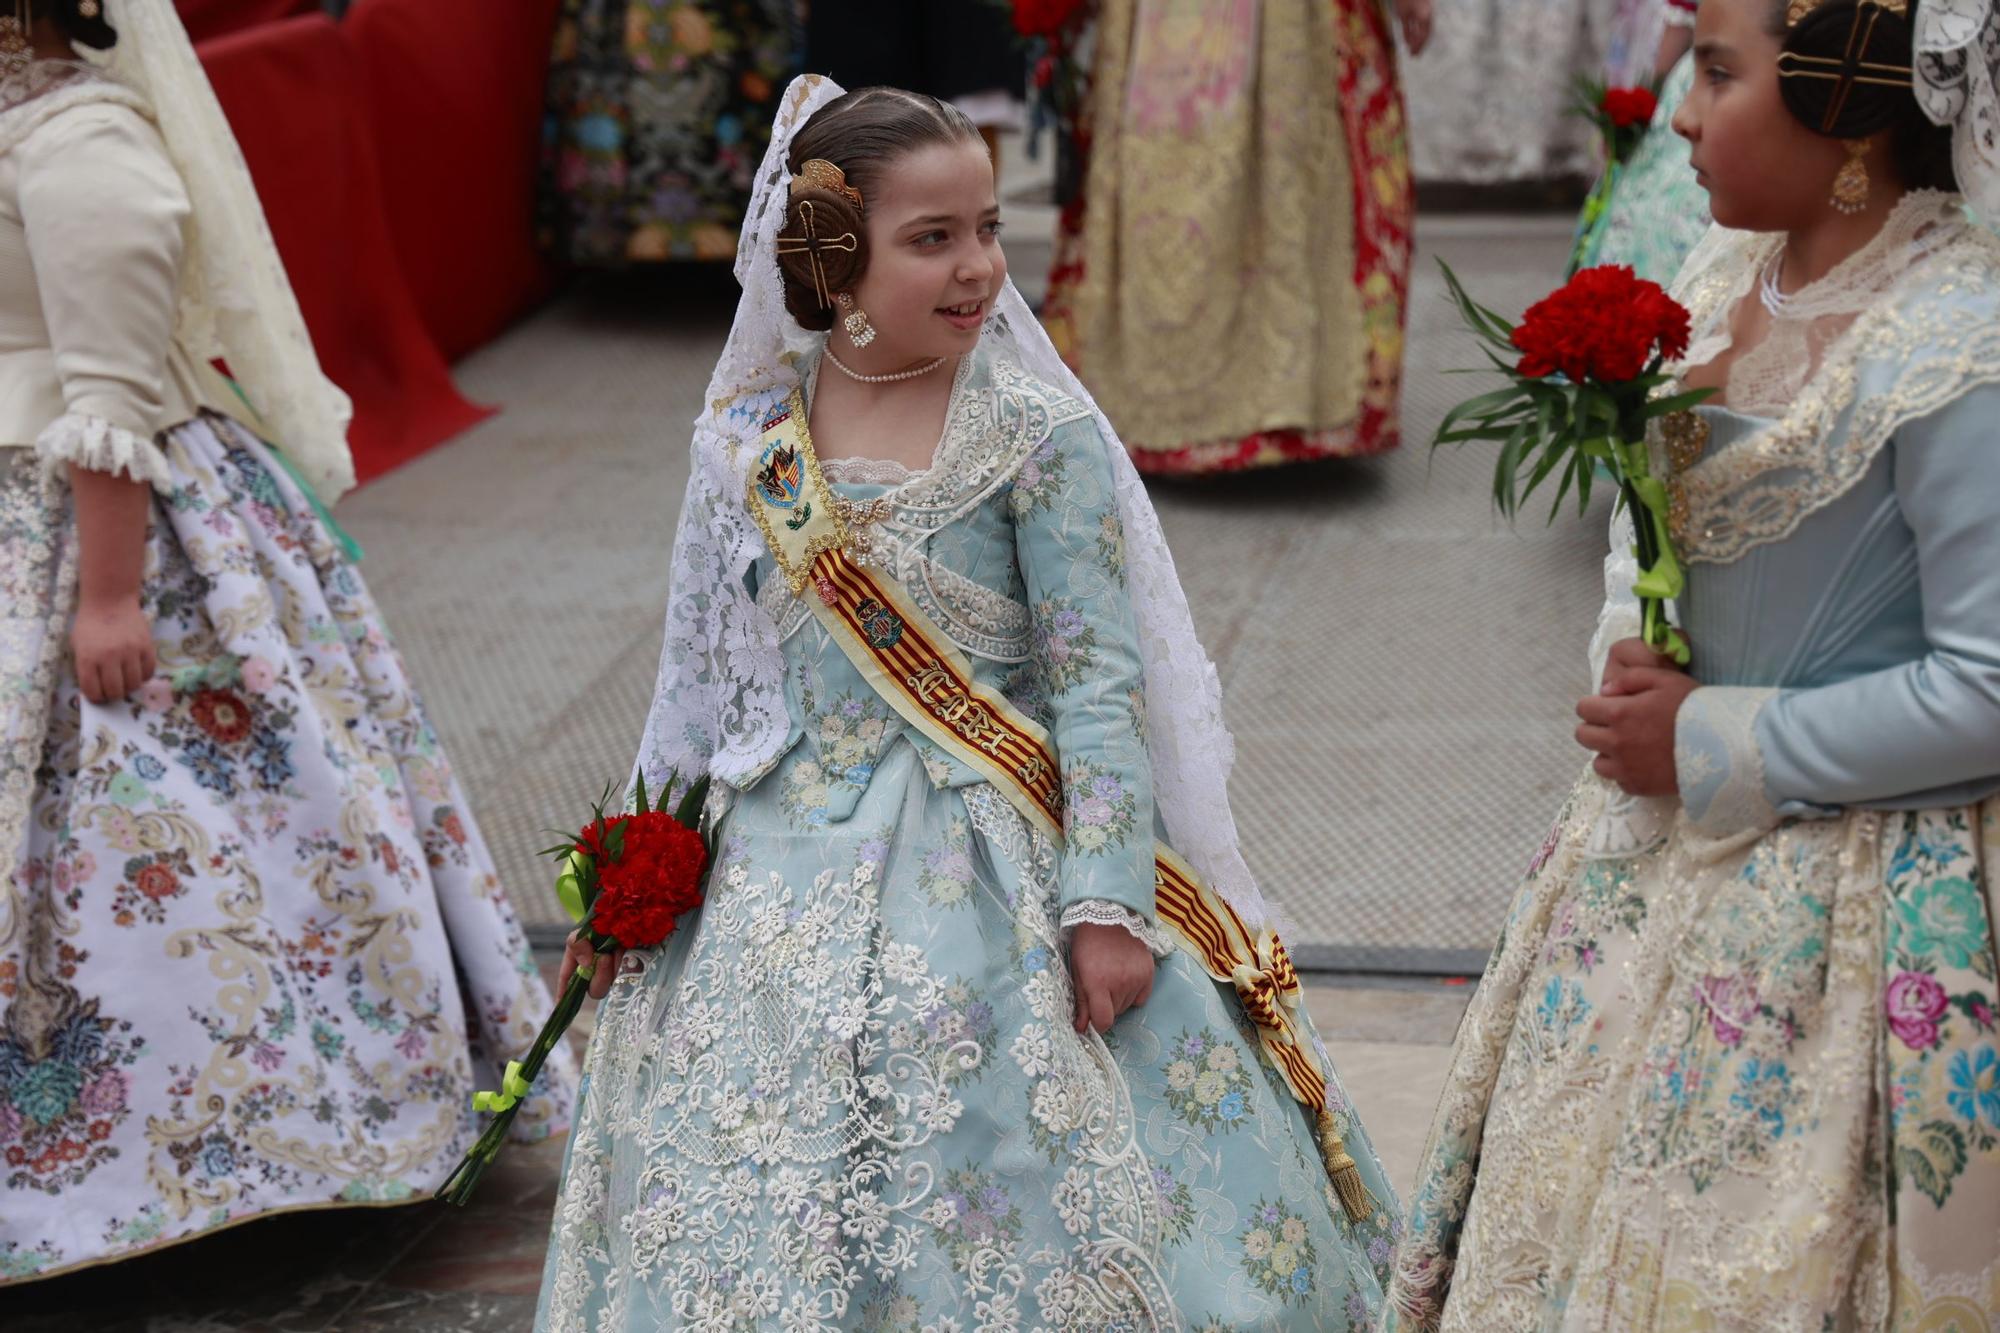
{"x":875,"y":1082}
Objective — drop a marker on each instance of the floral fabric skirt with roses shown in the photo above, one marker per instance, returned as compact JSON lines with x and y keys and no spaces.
{"x":1749,"y":1085}
{"x":847,"y":1095}
{"x":253,"y":954}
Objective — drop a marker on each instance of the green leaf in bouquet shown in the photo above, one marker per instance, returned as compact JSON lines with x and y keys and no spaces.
{"x":692,"y":802}
{"x":639,"y":801}
{"x":1482,"y":321}
{"x":1679,"y":402}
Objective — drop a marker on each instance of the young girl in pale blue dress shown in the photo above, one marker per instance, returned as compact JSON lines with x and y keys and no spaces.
{"x":918,"y":1064}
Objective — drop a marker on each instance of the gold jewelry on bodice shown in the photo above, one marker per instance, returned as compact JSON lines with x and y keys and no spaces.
{"x":1686,"y":434}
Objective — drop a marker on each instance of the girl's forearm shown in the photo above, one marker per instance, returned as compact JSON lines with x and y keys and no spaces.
{"x":112,"y":513}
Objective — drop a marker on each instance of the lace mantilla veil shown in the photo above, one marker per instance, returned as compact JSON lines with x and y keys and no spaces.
{"x":719,"y":705}
{"x":236,"y":303}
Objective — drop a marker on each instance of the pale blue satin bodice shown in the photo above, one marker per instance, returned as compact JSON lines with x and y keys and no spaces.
{"x":1877,"y":621}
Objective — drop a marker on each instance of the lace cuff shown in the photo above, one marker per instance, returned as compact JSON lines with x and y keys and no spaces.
{"x":96,"y":445}
{"x":1104,"y":912}
{"x":1718,"y":763}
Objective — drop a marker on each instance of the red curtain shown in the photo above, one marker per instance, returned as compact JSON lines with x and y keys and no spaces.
{"x":295,"y":95}
{"x":455,"y":95}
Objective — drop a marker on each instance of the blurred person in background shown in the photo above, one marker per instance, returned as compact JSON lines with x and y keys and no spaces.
{"x":253,"y":952}
{"x":1657,"y":210}
{"x":657,"y":115}
{"x":1231,"y":280}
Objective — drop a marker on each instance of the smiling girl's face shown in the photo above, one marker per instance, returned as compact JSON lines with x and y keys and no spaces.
{"x":934,"y":259}
{"x":1763,"y":170}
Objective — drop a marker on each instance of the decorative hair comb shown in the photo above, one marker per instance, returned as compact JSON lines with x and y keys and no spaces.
{"x":820,"y":174}
{"x":1850,"y":69}
{"x":810,"y":243}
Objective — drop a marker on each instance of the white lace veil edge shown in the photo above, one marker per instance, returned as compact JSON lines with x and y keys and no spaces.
{"x":1957,"y":83}
{"x":719,"y":704}
{"x":237,"y":303}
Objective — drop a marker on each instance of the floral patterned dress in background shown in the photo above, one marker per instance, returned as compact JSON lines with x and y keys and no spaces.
{"x":253,"y":954}
{"x":658,"y":113}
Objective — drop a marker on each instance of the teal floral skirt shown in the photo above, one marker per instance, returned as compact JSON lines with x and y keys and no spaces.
{"x":848,"y":1095}
{"x":1750,"y":1085}
{"x":253,"y":953}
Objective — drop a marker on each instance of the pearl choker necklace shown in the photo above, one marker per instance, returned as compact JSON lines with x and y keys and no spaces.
{"x":1774,"y":300}
{"x":853,"y":374}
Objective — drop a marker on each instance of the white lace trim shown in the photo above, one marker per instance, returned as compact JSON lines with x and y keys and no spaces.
{"x":866,"y":471}
{"x":1719,"y":765}
{"x":1103,"y":912}
{"x":1898,"y":331}
{"x":719,"y":704}
{"x":96,"y":445}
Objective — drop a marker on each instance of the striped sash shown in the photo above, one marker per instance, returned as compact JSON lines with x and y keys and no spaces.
{"x":922,"y":674}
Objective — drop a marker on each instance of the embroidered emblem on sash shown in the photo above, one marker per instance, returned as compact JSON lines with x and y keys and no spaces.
{"x":781,"y":476}
{"x":882,"y":627}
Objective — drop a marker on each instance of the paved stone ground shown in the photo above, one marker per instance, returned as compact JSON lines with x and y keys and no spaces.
{"x":1398,"y":668}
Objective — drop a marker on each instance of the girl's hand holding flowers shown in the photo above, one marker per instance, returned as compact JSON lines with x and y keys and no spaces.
{"x":1630,"y":721}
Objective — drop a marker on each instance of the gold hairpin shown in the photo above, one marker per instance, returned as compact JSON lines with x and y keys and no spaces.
{"x":820,"y":174}
{"x":809,"y":243}
{"x":1850,"y":69}
{"x":1798,"y":9}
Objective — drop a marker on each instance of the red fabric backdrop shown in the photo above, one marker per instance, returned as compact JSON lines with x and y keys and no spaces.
{"x":294,"y":94}
{"x":454,"y":91}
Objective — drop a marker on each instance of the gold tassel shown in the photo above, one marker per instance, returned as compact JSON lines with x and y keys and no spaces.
{"x":1343,"y":1172}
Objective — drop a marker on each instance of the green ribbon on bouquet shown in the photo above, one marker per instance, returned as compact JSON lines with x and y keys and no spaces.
{"x":512,"y":1089}
{"x":1663,"y":580}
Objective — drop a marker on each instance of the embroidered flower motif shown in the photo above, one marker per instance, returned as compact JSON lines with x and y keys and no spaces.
{"x":944,"y":876}
{"x":1040,"y":481}
{"x":1731,"y":1003}
{"x":1915,"y":1002}
{"x":1944,"y":918}
{"x":845,"y":740}
{"x":1111,"y":544}
{"x":1207,"y":1084}
{"x":223,"y":715}
{"x":1975,"y":1086}
{"x":1278,"y":1252}
{"x":1065,"y":644}
{"x":1099,"y":812}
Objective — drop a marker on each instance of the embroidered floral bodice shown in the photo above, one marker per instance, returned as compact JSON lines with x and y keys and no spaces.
{"x":1011,"y":541}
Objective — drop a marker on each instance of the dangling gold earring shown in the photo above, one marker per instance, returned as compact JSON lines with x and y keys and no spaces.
{"x":1850,"y":185}
{"x":859,"y":331}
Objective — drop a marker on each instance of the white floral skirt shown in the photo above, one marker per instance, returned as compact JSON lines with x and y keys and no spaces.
{"x":1743,"y":1086}
{"x":253,"y":953}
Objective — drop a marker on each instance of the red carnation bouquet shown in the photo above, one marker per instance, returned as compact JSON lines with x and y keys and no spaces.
{"x":1622,"y":116}
{"x":1582,"y":369}
{"x":631,"y":877}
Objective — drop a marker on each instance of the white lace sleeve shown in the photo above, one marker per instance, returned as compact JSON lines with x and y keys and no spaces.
{"x":98,"y":445}
{"x":1102,"y":912}
{"x":1619,"y":617}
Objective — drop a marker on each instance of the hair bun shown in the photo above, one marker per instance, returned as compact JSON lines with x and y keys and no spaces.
{"x":822,"y":251}
{"x":1818,"y":46}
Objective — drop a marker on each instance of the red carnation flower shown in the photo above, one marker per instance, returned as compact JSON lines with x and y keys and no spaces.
{"x":655,"y":878}
{"x":1605,"y":324}
{"x":1629,"y":107}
